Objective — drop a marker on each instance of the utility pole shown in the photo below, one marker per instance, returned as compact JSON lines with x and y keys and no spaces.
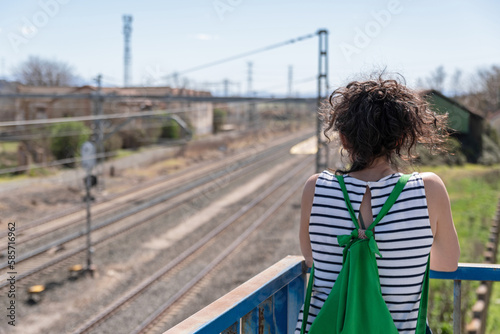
{"x":99,"y":130}
{"x":251,"y":106}
{"x":288,"y":109}
{"x":226,"y":87}
{"x":127,"y":31}
{"x":322,"y":153}
{"x":3,"y":76}
{"x":175,"y":77}
{"x":249,"y":92}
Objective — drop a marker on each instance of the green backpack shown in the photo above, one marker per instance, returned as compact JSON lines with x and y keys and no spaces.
{"x":355,"y":304}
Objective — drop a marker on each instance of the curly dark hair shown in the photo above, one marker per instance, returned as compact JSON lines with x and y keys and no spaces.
{"x":380,"y":118}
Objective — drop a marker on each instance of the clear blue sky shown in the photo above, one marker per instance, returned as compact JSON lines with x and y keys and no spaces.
{"x":414,"y":39}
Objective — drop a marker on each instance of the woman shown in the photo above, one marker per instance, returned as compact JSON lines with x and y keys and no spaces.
{"x":379,"y":122}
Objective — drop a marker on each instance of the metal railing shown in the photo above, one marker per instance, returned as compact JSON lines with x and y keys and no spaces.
{"x":270,"y":302}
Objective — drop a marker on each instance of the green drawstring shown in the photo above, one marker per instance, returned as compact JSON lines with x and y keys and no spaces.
{"x":347,"y":240}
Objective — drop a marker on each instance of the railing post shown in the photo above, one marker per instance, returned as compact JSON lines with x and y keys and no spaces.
{"x":250,"y":322}
{"x":296,"y":294}
{"x":280,"y":310}
{"x":457,"y":302}
{"x":233,"y":329}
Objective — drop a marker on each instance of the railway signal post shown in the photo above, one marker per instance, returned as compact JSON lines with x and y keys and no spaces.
{"x":88,"y":153}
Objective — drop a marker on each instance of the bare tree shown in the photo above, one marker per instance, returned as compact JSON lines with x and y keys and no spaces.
{"x":37,"y":71}
{"x":484,"y":93}
{"x":456,"y":82}
{"x":436,"y":79}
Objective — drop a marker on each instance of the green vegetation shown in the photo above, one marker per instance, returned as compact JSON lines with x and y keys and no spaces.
{"x":474,"y":193}
{"x":171,"y":130}
{"x":121,"y":153}
{"x":491,"y":151}
{"x":67,"y":138}
{"x":493,"y":322}
{"x":113,"y":143}
{"x":454,"y":156}
{"x":9,"y":147}
{"x":140,"y":133}
{"x":8,"y":154}
{"x":219,"y":120}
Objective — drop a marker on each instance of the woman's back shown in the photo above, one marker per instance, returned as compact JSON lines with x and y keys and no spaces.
{"x":404,"y":238}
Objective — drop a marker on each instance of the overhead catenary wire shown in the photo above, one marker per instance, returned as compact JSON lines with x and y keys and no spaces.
{"x":242,"y":55}
{"x":297,"y":82}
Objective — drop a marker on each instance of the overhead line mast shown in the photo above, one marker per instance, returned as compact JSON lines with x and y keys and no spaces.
{"x":322,"y":158}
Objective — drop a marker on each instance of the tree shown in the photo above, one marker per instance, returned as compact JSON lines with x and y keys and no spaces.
{"x":37,"y":71}
{"x":436,"y":79}
{"x":66,"y":140}
{"x":456,"y":82}
{"x":484,"y":91}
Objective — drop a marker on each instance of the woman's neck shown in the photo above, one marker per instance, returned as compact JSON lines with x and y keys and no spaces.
{"x":377,"y":170}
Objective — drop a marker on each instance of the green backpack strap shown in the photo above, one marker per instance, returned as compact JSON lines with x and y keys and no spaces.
{"x":346,"y":240}
{"x":422,"y":310}
{"x":387,"y":205}
{"x":307,"y":301}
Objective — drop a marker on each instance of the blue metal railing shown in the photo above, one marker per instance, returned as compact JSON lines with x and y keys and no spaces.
{"x":270,"y":302}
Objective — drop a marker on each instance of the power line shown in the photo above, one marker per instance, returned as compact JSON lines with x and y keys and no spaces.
{"x":297,"y":82}
{"x":245,"y":54}
{"x":92,"y":118}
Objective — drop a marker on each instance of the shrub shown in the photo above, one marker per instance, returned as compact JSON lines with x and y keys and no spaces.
{"x":220,"y":116}
{"x":455,"y":156}
{"x":140,"y":134}
{"x":491,"y":151}
{"x":66,"y":140}
{"x":114,"y":143}
{"x":130,"y":139}
{"x":171,"y":130}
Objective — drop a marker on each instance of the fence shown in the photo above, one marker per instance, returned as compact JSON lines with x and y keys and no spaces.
{"x":270,"y":302}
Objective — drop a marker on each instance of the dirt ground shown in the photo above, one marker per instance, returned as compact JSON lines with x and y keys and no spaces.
{"x":43,"y":197}
{"x":27,"y":199}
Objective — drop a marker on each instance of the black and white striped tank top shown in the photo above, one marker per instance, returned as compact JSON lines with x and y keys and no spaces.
{"x":404,"y":238}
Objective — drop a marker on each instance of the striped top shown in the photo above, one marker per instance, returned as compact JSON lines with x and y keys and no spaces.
{"x":404,"y":238}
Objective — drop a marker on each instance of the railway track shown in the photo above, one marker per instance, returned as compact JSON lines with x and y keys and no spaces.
{"x":75,"y":215}
{"x":159,"y":202}
{"x":213,"y":244}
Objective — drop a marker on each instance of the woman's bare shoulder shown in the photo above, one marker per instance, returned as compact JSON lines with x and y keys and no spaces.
{"x":433,"y":184}
{"x":437,"y":196}
{"x":310,"y":184}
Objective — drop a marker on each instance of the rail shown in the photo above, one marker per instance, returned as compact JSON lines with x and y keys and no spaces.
{"x":270,"y":302}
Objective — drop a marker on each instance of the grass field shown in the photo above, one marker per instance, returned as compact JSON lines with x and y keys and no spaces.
{"x":8,"y":154}
{"x":474,"y":194}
